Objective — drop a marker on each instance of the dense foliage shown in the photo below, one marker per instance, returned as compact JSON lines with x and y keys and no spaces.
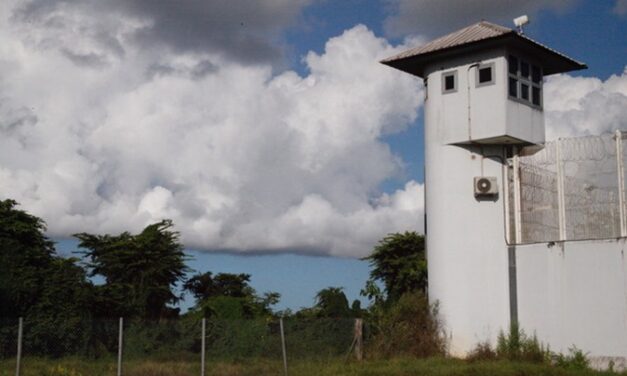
{"x":35,"y":283}
{"x":142,"y":276}
{"x":401,"y":318}
{"x":140,"y":270}
{"x":400,"y":264}
{"x":228,"y":295}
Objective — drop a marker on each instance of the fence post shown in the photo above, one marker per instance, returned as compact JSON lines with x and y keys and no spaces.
{"x":202,"y":346}
{"x":621,"y":182}
{"x":517,"y":201}
{"x":19,"y":346}
{"x":120,"y":342}
{"x":359,"y":339}
{"x":283,"y":346}
{"x":561,"y":202}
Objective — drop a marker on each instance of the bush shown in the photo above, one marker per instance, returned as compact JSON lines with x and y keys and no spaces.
{"x":576,"y":359}
{"x":410,"y":326}
{"x":482,"y":351}
{"x":518,"y":346}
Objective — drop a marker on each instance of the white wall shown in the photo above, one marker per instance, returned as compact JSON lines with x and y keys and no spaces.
{"x":575,"y":293}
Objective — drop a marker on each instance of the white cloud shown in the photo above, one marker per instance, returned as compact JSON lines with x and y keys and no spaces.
{"x":111,"y":135}
{"x":428,"y":17}
{"x":92,"y":32}
{"x":621,"y":7}
{"x":239,"y":157}
{"x":577,"y":106}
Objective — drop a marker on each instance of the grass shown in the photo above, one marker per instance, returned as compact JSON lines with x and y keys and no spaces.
{"x":259,"y":367}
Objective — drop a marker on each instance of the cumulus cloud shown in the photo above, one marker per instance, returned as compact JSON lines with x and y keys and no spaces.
{"x":577,"y":106}
{"x":434,"y":18}
{"x":101,"y":133}
{"x":246,"y":31}
{"x":621,"y":7}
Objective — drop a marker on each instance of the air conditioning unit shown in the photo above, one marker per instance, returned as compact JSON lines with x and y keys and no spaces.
{"x":486,"y":186}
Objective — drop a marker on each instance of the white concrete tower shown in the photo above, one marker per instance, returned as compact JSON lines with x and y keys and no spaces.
{"x":483,"y":100}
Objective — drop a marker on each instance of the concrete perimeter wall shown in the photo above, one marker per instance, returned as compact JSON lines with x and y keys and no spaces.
{"x":575,"y":293}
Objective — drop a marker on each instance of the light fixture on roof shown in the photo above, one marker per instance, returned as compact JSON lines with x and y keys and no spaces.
{"x":520,"y":22}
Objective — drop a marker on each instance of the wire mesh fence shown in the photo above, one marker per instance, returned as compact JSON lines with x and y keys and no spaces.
{"x":571,"y":189}
{"x":180,"y":341}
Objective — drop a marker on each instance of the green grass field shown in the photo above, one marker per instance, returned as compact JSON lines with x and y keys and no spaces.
{"x":259,"y":367}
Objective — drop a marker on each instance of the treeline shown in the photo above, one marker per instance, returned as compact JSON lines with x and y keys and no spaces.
{"x":65,"y":309}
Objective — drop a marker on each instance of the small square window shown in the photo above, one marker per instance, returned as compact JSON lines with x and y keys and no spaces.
{"x":524,"y":91}
{"x":524,"y":69}
{"x":449,"y":82}
{"x":485,"y":75}
{"x":513,"y":87}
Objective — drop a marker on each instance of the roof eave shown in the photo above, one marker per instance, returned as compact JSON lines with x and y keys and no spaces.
{"x":555,"y":62}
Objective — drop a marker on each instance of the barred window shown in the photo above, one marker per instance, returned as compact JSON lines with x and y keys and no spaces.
{"x":525,"y":81}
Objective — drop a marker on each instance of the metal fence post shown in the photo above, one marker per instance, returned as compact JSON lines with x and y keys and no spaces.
{"x":19,"y":346}
{"x":202,"y":346}
{"x":283,"y":346}
{"x":561,"y":202}
{"x":517,"y":202}
{"x":120,"y":342}
{"x":621,"y":182}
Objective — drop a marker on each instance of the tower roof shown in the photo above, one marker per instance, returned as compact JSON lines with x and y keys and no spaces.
{"x":476,"y":37}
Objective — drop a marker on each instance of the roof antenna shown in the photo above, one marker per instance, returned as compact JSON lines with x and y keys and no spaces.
{"x":520,"y":22}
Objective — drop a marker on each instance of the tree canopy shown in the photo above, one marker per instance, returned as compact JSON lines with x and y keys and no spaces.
{"x":228,"y":295}
{"x":399,"y":262}
{"x":140,"y":270}
{"x":49,"y":291}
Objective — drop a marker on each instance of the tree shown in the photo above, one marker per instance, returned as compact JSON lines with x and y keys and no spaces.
{"x":140,"y":270}
{"x":228,"y":295}
{"x":205,"y":285}
{"x":332,"y":302}
{"x":51,"y":293}
{"x":25,"y":255}
{"x":399,"y":262}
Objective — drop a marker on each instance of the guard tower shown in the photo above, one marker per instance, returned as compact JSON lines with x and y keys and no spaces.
{"x":484,"y":101}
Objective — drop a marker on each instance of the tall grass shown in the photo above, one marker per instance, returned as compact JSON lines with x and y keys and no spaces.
{"x":398,"y":366}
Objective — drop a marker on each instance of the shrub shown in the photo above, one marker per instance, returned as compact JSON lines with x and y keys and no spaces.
{"x":575,"y":359}
{"x":516,"y":345}
{"x":410,"y":326}
{"x":482,"y":351}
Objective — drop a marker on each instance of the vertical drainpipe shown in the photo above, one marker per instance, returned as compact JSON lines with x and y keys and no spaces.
{"x":511,"y":246}
{"x":468,"y":98}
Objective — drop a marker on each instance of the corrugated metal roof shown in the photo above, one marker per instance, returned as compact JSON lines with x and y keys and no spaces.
{"x":473,"y":33}
{"x":478,"y":35}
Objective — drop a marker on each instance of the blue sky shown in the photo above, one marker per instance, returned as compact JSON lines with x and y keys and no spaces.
{"x":268,"y":133}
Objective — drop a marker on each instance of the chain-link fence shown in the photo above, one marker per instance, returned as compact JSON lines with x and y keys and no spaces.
{"x":112,"y":345}
{"x":571,"y":189}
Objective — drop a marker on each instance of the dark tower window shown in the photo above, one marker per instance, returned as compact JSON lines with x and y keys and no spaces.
{"x":525,"y":82}
{"x":513,"y":65}
{"x":449,"y":82}
{"x":485,"y":74}
{"x":513,"y":87}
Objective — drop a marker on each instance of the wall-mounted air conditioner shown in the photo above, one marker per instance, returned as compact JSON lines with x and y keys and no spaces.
{"x":486,"y":186}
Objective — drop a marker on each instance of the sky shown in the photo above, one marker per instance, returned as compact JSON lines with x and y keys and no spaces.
{"x":266,"y":130}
